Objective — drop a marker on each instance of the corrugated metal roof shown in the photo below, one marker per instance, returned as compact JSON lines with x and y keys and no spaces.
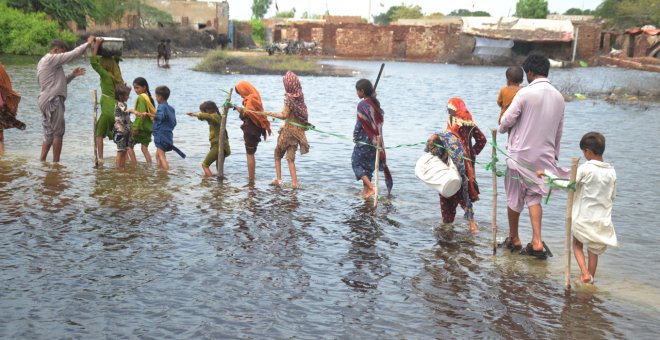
{"x":519,"y":29}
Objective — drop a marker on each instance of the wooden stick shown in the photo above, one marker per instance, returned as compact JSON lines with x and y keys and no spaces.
{"x":379,"y":73}
{"x":569,"y":222}
{"x":494,"y":219}
{"x":375,"y":183}
{"x":220,"y":162}
{"x":96,"y":153}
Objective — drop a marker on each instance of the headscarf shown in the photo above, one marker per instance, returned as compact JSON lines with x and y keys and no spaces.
{"x":371,"y":118}
{"x":111,"y":64}
{"x":252,"y":102}
{"x":294,"y":98}
{"x":9,"y":96}
{"x":463,"y":117}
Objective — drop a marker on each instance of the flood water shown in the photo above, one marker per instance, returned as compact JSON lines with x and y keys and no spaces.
{"x":91,"y":253}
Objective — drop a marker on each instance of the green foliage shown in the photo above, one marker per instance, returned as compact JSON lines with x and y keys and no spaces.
{"x":534,"y":9}
{"x":258,"y":31}
{"x":150,"y":15}
{"x":395,"y":13}
{"x":306,"y":15}
{"x":286,"y":14}
{"x":630,"y":13}
{"x":467,"y":13}
{"x":108,"y":11}
{"x":28,"y":33}
{"x":577,"y":11}
{"x":436,"y":15}
{"x":260,"y":7}
{"x":60,"y":10}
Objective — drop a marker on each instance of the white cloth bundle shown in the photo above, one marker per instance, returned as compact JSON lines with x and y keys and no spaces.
{"x":441,"y":177}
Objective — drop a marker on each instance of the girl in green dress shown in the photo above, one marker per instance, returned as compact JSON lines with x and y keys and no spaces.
{"x":110,"y":74}
{"x":142,"y":125}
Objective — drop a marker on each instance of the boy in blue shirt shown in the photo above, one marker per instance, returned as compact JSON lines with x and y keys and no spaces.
{"x":164,"y":124}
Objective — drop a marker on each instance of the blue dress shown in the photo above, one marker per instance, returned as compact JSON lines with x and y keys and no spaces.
{"x":163,"y":127}
{"x":364,"y":155}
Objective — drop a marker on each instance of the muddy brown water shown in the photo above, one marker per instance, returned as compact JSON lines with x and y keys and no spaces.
{"x":90,"y":253}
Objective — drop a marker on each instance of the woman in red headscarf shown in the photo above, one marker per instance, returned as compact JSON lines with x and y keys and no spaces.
{"x":461,"y":125}
{"x":255,"y":124}
{"x":8,"y":106}
{"x":292,"y":133}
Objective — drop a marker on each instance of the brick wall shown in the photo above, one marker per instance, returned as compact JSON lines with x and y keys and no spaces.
{"x":364,"y":42}
{"x":588,"y":42}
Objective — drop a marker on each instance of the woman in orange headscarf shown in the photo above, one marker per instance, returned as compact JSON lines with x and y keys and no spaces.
{"x":255,"y":124}
{"x":8,"y":106}
{"x":461,"y":125}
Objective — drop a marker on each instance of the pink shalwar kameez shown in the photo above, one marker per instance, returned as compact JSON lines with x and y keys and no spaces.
{"x":535,"y":120}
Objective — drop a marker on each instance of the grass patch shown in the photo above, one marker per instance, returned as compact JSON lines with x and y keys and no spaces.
{"x":261,"y":63}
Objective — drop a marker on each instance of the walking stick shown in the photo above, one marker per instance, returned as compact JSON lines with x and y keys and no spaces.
{"x":96,"y":154}
{"x":494,"y":167}
{"x":220,"y":163}
{"x":376,"y":176}
{"x":569,"y":222}
{"x":380,"y":72}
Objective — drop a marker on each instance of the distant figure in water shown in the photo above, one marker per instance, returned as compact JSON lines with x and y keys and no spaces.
{"x":514,"y":77}
{"x":368,"y":128}
{"x":595,"y":187}
{"x":211,"y":114}
{"x":9,"y":100}
{"x":168,"y":52}
{"x":161,"y":52}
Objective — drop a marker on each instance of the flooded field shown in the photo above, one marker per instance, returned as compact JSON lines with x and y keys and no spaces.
{"x":90,"y":253}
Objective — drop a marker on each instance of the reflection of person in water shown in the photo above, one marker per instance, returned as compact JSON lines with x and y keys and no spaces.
{"x":369,"y":265}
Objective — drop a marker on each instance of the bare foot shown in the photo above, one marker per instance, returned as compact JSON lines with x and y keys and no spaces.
{"x":473,"y":227}
{"x":294,"y":185}
{"x":368,"y":193}
{"x":276,"y":182}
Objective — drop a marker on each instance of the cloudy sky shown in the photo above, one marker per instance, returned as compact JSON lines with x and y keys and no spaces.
{"x":241,"y":9}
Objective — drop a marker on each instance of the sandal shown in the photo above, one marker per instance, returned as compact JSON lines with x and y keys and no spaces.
{"x":529,"y":251}
{"x":508,"y":244}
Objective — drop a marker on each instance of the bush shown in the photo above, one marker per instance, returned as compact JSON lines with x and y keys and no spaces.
{"x":28,"y":34}
{"x":258,"y":31}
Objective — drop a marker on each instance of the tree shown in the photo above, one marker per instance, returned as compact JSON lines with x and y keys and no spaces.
{"x":629,"y":13}
{"x":534,"y":9}
{"x":260,"y":7}
{"x":467,"y":13}
{"x":286,"y":14}
{"x":436,"y":15}
{"x":307,"y":15}
{"x":395,"y":13}
{"x":60,"y":10}
{"x":577,"y":11}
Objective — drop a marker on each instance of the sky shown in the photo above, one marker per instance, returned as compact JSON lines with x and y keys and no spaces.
{"x":241,"y":9}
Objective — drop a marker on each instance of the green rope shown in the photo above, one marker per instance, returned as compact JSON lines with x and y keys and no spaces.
{"x":490,"y":166}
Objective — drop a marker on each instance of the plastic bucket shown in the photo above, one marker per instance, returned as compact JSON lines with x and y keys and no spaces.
{"x":111,"y":47}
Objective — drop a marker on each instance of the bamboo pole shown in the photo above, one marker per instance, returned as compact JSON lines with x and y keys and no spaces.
{"x":494,"y":217}
{"x":96,"y":153}
{"x":375,"y":183}
{"x":220,"y":162}
{"x":569,"y":222}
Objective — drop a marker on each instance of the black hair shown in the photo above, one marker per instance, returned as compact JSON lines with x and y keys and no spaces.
{"x":209,"y":106}
{"x":538,"y":64}
{"x":121,"y":92}
{"x":368,"y":89}
{"x":514,"y":74}
{"x":143,"y":82}
{"x":163,"y":91}
{"x":593,"y":141}
{"x":57,"y":43}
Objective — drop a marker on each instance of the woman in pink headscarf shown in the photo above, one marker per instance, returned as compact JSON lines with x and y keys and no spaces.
{"x":292,"y":133}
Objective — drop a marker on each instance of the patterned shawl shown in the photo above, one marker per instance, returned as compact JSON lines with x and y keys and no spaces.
{"x":252,"y":102}
{"x":454,"y":123}
{"x":294,"y":97}
{"x":10,"y":97}
{"x":370,"y":117}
